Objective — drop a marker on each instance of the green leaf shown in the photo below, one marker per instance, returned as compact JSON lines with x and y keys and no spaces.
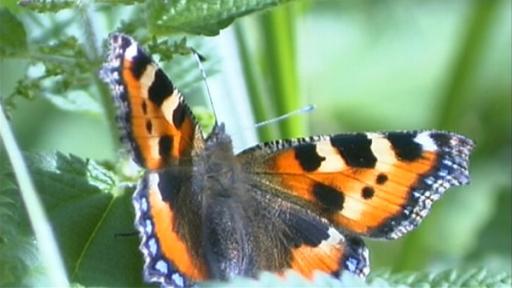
{"x":447,"y":278}
{"x":88,"y":208}
{"x":200,"y":17}
{"x":19,"y":259}
{"x":10,"y":4}
{"x":42,"y":6}
{"x":291,"y":279}
{"x":62,"y":74}
{"x":13,"y":38}
{"x":205,"y":118}
{"x":74,"y":101}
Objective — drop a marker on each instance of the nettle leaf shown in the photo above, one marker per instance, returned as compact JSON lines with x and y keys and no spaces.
{"x":13,"y":37}
{"x":201,"y":17}
{"x":78,"y":101}
{"x":61,"y":73}
{"x":291,"y":280}
{"x":89,"y":209}
{"x":120,"y":2}
{"x":18,"y":254}
{"x":12,"y":5}
{"x":447,"y":278}
{"x":167,"y":49}
{"x":42,"y":6}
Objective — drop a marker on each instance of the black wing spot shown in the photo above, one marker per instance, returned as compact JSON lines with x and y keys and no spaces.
{"x":144,"y":107}
{"x":139,"y":63}
{"x":170,"y":184}
{"x":442,"y":139}
{"x":308,"y":158}
{"x":381,"y":179}
{"x":405,"y":147}
{"x":178,"y":115}
{"x":165,"y":146}
{"x":367,"y":192}
{"x":355,"y":149}
{"x":161,"y":88}
{"x":149,"y":126}
{"x":305,"y":230}
{"x":331,"y":199}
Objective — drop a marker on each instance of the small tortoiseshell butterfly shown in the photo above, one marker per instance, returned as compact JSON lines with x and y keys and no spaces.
{"x":205,"y":213}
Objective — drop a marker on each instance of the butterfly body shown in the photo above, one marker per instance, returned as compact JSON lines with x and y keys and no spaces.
{"x":204,"y":213}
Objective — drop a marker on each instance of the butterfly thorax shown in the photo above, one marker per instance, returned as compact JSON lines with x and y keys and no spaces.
{"x":215,"y":186}
{"x":216,"y":165}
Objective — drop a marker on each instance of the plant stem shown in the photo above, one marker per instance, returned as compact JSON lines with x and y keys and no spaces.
{"x":478,"y":27}
{"x":281,"y":70}
{"x":95,"y":56}
{"x":256,"y":95}
{"x":40,"y":224}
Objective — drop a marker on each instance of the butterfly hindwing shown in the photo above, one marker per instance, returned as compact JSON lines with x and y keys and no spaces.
{"x":315,"y":246}
{"x":374,"y":184}
{"x":156,"y":123}
{"x":168,"y":258}
{"x":300,"y":240}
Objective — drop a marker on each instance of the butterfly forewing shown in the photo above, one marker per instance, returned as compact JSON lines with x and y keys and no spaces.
{"x":157,"y":125}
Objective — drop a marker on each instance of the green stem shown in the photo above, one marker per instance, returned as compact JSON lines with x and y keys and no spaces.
{"x":95,"y":56}
{"x":256,"y":95}
{"x":46,"y":242}
{"x":281,"y":71}
{"x":478,"y":27}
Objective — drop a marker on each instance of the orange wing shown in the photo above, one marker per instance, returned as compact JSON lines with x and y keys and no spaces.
{"x":156,"y":123}
{"x":375,"y":184}
{"x":169,"y":259}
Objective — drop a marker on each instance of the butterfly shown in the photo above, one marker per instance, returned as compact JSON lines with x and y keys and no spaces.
{"x":204,"y":213}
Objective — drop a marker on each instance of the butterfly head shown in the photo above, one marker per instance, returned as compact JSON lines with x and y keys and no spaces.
{"x":218,"y":137}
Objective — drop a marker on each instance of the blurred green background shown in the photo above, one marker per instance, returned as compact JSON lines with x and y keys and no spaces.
{"x":366,"y":65}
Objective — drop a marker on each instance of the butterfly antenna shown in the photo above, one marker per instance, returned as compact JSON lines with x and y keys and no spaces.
{"x":126,"y":234}
{"x":199,"y":60}
{"x":305,"y":109}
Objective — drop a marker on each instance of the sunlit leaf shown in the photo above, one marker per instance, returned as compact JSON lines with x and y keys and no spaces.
{"x":19,"y":260}
{"x":47,"y":5}
{"x":13,"y":38}
{"x":201,"y":17}
{"x":87,"y":209}
{"x":447,"y":278}
{"x":74,"y":101}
